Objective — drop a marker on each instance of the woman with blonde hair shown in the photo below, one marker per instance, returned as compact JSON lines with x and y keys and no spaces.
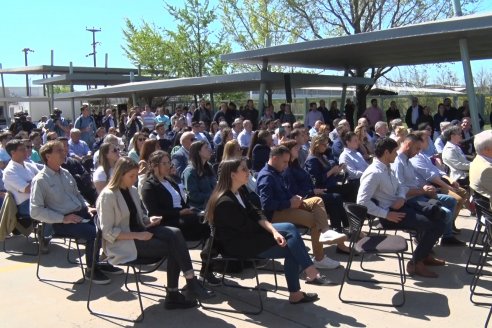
{"x":130,"y":235}
{"x":136,"y":145}
{"x":108,"y":155}
{"x":232,"y":150}
{"x":365,"y":147}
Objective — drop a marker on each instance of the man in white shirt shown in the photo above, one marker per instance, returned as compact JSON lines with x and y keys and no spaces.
{"x":237,"y":127}
{"x":18,"y":175}
{"x":385,"y":198}
{"x":244,"y":138}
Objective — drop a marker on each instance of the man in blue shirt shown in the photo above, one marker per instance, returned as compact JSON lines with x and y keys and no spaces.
{"x":385,"y":198}
{"x":280,"y":205}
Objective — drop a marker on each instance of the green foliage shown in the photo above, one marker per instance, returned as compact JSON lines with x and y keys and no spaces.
{"x":147,"y":48}
{"x":190,"y":50}
{"x":61,"y":89}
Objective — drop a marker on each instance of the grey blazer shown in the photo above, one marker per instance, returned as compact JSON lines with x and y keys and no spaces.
{"x":114,"y":218}
{"x":458,"y":164}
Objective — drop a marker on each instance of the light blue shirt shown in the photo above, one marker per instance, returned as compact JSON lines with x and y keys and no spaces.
{"x":217,"y":138}
{"x":80,"y":148}
{"x":163,"y":119}
{"x":404,"y":172}
{"x":4,"y":156}
{"x":244,"y":138}
{"x":355,"y":163}
{"x":431,"y":149}
{"x":380,"y":183}
{"x":439,"y":145}
{"x":425,"y":171}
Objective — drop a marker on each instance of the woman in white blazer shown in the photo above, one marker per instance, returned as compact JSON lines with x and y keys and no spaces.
{"x":454,"y":158}
{"x":128,"y":234}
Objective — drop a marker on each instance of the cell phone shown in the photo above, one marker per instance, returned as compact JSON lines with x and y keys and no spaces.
{"x":84,"y":220}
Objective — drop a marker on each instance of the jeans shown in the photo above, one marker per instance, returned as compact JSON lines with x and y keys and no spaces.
{"x":294,"y":252}
{"x":448,"y":206}
{"x":428,"y":230}
{"x":166,"y":241}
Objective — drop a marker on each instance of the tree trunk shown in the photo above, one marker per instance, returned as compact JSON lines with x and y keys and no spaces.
{"x":361,"y":97}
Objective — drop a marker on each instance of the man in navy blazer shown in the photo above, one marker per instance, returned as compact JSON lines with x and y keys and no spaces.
{"x":181,"y":156}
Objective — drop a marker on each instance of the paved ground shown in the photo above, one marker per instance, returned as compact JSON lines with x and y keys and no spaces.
{"x":442,"y":302}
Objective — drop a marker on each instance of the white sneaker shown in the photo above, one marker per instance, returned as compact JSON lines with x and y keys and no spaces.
{"x":326,"y":263}
{"x":331,"y":236}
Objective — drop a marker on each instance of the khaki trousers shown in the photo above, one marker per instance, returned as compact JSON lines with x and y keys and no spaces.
{"x":311,"y":214}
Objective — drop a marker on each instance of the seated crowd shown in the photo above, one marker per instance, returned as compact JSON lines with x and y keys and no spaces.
{"x":152,"y":181}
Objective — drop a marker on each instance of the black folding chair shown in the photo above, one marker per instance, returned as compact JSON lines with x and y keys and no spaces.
{"x":483,"y":209}
{"x":136,"y":267}
{"x":375,"y":244}
{"x":55,"y":236}
{"x":478,"y":237}
{"x":227,"y":260}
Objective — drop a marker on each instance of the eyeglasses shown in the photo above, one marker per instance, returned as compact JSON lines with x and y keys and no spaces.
{"x":167,"y":163}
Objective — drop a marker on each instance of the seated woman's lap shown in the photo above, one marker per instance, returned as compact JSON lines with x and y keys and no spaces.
{"x":190,"y":225}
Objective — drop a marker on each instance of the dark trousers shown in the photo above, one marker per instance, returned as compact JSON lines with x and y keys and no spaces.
{"x":334,"y":208}
{"x":190,"y":225}
{"x":429,"y":231}
{"x":86,"y":231}
{"x":166,"y":241}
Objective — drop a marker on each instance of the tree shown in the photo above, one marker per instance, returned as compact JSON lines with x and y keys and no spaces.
{"x":196,"y":49}
{"x":409,"y":76}
{"x":317,"y":19}
{"x":147,"y":48}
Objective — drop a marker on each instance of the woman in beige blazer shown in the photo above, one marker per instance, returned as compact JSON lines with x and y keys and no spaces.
{"x":128,"y":234}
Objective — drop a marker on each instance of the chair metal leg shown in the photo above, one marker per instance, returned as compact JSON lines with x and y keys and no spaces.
{"x":473,"y":246}
{"x":78,"y":282}
{"x":476,"y":278}
{"x":346,"y":278}
{"x":257,"y":288}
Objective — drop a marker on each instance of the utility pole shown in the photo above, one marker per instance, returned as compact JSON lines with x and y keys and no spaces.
{"x":26,"y":51}
{"x":94,"y":43}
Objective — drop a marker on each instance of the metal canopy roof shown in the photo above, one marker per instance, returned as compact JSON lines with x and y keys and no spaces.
{"x":89,"y":78}
{"x":214,"y":84}
{"x":409,"y":45}
{"x":48,"y":69}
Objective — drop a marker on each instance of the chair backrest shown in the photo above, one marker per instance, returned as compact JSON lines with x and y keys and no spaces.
{"x":357,"y":214}
{"x":484,"y":212}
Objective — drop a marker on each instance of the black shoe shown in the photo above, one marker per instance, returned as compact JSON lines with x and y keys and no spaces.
{"x":109,"y":269}
{"x":99,"y":278}
{"x":452,"y":241}
{"x":194,"y":290}
{"x":211,"y":279}
{"x":176,"y":300}
{"x":308,"y":298}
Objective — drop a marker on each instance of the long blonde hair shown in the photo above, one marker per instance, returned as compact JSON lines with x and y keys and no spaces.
{"x":123,"y":166}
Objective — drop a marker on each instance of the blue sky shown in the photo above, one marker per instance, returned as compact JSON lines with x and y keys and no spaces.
{"x":61,"y":25}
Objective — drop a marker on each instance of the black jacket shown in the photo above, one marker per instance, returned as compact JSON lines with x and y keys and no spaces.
{"x":238,"y":232}
{"x":158,"y":201}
